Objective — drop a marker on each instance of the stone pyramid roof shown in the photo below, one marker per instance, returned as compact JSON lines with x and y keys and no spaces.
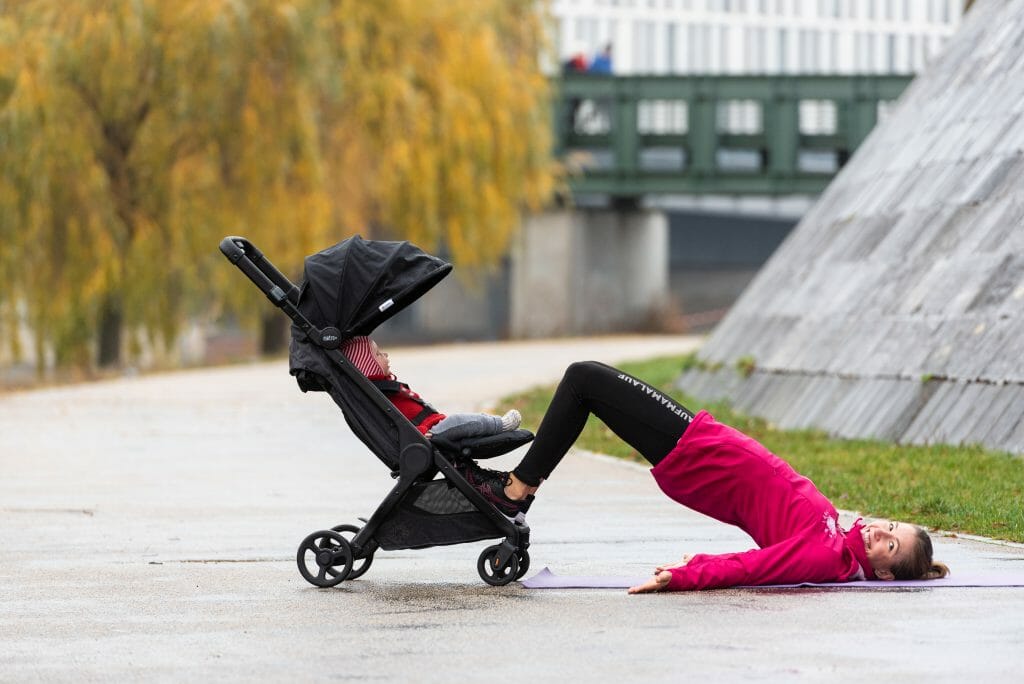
{"x":895,"y":309}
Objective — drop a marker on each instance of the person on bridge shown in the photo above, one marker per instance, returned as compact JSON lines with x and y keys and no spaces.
{"x":717,"y":470}
{"x":602,"y":62}
{"x":375,"y":364}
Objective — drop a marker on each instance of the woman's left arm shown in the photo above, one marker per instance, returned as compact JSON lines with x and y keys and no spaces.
{"x":661,"y":578}
{"x":794,"y":560}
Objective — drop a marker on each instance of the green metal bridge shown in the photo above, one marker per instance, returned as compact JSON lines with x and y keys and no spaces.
{"x":632,"y":136}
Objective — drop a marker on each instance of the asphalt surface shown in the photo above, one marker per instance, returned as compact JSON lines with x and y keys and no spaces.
{"x":148,"y":529}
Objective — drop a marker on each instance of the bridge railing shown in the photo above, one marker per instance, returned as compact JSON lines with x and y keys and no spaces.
{"x":628,"y":136}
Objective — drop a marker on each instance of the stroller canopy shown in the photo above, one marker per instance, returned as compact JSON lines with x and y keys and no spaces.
{"x":358,"y":284}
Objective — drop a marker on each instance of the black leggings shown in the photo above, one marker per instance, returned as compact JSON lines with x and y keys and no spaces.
{"x":638,"y":414}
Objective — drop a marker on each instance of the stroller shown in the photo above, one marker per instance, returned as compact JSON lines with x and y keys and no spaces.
{"x":349,"y":289}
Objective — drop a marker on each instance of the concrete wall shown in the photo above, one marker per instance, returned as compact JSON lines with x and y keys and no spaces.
{"x":588,"y":271}
{"x":601,"y":270}
{"x":570,"y":272}
{"x":895,"y":309}
{"x":714,"y":257}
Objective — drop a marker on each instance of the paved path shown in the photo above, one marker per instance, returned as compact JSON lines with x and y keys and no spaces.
{"x":148,"y":529}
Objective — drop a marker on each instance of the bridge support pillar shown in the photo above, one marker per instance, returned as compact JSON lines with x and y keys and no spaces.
{"x":586,"y":271}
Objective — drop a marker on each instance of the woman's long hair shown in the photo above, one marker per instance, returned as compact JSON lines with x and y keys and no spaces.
{"x":919,"y":564}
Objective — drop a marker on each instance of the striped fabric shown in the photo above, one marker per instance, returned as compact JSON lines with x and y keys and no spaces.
{"x":359,"y":351}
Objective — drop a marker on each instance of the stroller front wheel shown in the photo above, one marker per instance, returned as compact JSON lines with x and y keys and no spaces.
{"x":493,"y":575}
{"x":324,"y":558}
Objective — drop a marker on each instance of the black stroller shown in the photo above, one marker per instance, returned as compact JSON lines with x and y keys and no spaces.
{"x":350,"y":289}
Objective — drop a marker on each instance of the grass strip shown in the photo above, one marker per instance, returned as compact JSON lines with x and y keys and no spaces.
{"x":962,"y":489}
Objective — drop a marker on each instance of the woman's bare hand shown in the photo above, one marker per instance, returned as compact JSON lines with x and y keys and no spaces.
{"x":656,"y":583}
{"x":683,"y":561}
{"x":661,"y":577}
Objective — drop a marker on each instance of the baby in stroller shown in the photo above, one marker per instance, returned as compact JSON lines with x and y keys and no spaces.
{"x":375,"y":364}
{"x":371,"y":361}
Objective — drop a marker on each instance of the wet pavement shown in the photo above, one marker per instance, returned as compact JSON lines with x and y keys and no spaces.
{"x":148,"y":529}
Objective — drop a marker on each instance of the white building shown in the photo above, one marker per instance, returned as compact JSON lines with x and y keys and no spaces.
{"x":757,"y":36}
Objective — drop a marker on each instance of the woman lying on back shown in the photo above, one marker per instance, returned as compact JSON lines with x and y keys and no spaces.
{"x":719,"y":471}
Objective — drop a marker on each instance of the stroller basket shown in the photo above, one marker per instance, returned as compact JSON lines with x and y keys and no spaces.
{"x":434,"y":513}
{"x":348,"y":290}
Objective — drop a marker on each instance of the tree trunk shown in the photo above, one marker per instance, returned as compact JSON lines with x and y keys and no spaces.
{"x":109,"y":342}
{"x":273,"y":334}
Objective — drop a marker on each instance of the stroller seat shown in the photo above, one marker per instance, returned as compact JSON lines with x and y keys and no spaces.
{"x":480,"y":448}
{"x":348,"y":290}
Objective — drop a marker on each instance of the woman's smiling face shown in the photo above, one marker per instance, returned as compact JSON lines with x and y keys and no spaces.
{"x":887,"y":542}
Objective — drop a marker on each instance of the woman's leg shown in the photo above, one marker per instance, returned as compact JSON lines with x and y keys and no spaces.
{"x":640,"y":415}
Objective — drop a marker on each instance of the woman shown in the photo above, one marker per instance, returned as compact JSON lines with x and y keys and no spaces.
{"x":718,"y":471}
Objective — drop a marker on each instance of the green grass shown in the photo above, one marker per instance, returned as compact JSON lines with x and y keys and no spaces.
{"x":958,"y":489}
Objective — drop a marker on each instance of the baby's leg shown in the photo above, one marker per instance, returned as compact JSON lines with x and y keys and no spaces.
{"x":462,"y":425}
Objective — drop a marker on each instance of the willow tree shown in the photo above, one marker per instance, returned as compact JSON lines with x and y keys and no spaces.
{"x":447,"y":117}
{"x":135,"y":133}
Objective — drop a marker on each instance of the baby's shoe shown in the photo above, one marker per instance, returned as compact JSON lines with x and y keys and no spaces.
{"x":511,"y":420}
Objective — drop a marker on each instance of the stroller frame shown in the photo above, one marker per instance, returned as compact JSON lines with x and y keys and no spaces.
{"x":327,"y":557}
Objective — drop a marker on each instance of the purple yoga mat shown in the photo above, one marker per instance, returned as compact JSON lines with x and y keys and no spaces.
{"x":545,"y":579}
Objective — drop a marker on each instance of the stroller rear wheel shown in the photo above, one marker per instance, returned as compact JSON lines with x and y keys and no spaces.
{"x":324,"y":558}
{"x":492,"y":572}
{"x":358,"y":568}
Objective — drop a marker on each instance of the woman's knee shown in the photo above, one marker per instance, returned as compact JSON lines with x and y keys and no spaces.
{"x":582,"y":369}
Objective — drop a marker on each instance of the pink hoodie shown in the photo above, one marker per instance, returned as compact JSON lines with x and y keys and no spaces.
{"x":721,"y":472}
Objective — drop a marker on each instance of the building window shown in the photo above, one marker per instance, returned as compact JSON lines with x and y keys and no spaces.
{"x":695,"y":48}
{"x":754,"y":50}
{"x":650,"y":41}
{"x":670,"y":46}
{"x":739,"y":117}
{"x":818,"y":117}
{"x":783,"y":46}
{"x":723,"y":48}
{"x":662,"y":117}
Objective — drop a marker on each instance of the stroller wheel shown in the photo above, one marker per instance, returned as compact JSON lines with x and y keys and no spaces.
{"x":495,"y":576}
{"x":324,"y":558}
{"x":524,"y":563}
{"x":364,"y":563}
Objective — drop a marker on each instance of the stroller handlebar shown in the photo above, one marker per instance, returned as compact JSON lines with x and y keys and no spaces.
{"x":260,"y":271}
{"x":279,"y":290}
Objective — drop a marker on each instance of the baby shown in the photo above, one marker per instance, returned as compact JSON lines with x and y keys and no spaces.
{"x":367,"y":357}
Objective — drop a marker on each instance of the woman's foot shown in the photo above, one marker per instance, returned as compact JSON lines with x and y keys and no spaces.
{"x":493,"y":485}
{"x":517,"y":490}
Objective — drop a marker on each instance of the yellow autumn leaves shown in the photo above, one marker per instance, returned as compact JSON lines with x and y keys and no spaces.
{"x":135,"y":134}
